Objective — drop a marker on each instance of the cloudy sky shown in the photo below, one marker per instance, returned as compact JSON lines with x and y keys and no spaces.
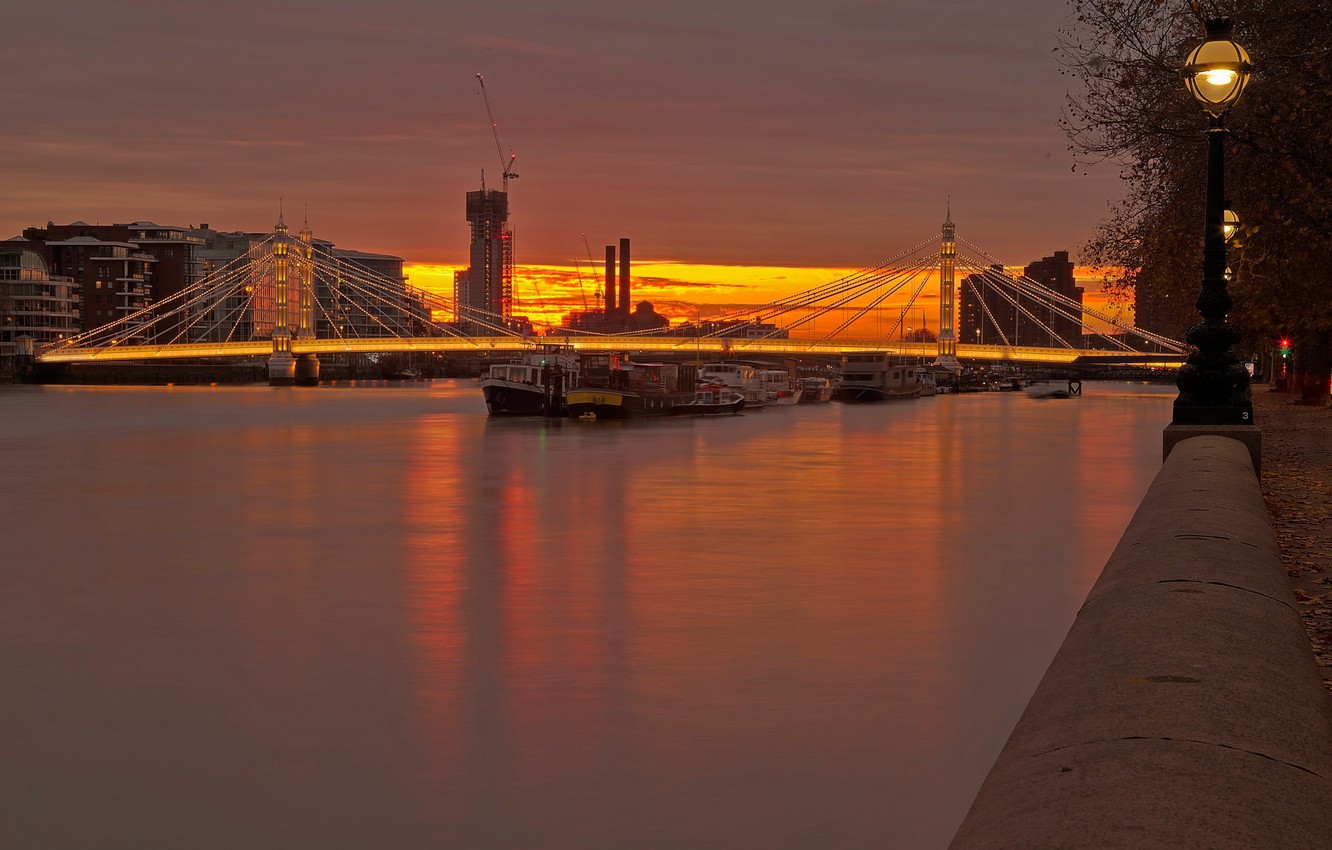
{"x":783,"y":133}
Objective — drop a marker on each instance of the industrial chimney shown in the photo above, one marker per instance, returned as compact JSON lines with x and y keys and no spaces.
{"x":611,"y":304}
{"x":624,"y":277}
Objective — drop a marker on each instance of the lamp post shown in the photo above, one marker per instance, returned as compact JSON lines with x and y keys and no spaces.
{"x":1213,"y":384}
{"x":1230,"y":225}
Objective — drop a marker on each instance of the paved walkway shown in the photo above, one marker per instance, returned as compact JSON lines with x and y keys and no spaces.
{"x":1297,"y":485}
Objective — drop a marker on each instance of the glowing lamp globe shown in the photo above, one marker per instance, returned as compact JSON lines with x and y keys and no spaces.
{"x":1231,"y":225}
{"x":1218,"y":69}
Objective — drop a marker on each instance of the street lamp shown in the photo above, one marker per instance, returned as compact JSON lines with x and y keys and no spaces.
{"x":1213,"y":384}
{"x":1230,"y":225}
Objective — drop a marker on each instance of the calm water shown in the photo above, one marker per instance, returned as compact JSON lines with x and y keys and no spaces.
{"x":368,"y":617}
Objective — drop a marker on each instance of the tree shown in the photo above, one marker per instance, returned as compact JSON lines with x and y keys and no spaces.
{"x":1131,"y":108}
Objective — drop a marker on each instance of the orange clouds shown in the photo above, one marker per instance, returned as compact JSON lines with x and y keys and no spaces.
{"x":686,"y":291}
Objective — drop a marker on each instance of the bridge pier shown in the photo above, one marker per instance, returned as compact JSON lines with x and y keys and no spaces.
{"x":307,"y":370}
{"x":281,"y":369}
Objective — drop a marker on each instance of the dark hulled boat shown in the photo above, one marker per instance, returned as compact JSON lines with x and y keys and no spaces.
{"x":612,"y":387}
{"x":536,"y":386}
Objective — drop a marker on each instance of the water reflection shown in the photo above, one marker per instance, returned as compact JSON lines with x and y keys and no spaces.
{"x":379,"y":618}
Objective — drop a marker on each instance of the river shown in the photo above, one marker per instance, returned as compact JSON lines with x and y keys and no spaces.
{"x":367,"y":616}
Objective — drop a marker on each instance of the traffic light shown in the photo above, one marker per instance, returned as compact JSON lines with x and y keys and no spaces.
{"x":1285,"y":348}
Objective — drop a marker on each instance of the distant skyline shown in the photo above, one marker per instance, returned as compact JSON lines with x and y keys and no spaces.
{"x":777,"y":134}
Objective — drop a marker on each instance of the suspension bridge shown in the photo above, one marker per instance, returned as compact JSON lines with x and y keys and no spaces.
{"x":291,"y":299}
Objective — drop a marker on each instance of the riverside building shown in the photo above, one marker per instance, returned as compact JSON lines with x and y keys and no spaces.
{"x":36,"y":307}
{"x":117,"y":269}
{"x":357,"y":293}
{"x":992,"y":313}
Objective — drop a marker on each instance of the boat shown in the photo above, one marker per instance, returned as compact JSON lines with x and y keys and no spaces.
{"x":1054,"y":389}
{"x":713,"y":400}
{"x":610,"y":386}
{"x":536,"y":386}
{"x":931,"y":380}
{"x":779,"y":388}
{"x":815,"y":390}
{"x":740,"y":377}
{"x":877,"y":377}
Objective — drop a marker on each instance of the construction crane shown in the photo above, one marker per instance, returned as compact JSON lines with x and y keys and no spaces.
{"x":505,"y":165}
{"x":592,"y":265}
{"x":581,"y":291}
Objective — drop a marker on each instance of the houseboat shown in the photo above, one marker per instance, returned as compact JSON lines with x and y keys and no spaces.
{"x":877,"y":377}
{"x":610,"y":386}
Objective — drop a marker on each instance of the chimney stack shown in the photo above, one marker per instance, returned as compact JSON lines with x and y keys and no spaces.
{"x":624,"y":277}
{"x":611,"y":303}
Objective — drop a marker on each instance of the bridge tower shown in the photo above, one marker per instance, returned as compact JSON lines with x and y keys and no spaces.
{"x":947,"y":357}
{"x":307,"y":365}
{"x":281,"y":365}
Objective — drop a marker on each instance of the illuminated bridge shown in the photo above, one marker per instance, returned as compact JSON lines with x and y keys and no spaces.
{"x":291,"y":300}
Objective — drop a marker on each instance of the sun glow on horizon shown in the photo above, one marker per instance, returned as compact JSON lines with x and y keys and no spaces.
{"x":690,"y":291}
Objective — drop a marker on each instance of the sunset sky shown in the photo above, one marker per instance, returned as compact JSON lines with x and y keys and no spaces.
{"x":784,"y":141}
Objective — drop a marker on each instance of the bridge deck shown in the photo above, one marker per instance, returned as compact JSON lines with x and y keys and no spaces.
{"x":730,"y":347}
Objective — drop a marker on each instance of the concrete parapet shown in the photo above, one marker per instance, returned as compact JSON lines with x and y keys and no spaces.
{"x":1184,"y":708}
{"x":1250,"y":435}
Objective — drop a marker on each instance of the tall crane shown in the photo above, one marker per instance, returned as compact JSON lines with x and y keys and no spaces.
{"x":505,"y":165}
{"x":592,"y":265}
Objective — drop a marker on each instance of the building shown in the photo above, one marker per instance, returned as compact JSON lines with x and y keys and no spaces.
{"x":994,"y":312}
{"x":35,"y":305}
{"x":484,"y":292}
{"x":1158,"y":309}
{"x":369,"y":295}
{"x":356,"y":293}
{"x":228,"y":312}
{"x":1055,"y":273}
{"x":616,"y":317}
{"x":983,"y":311}
{"x":119,"y":269}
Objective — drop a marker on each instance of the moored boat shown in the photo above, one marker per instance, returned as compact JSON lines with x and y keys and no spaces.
{"x":877,"y":377}
{"x":740,"y":377}
{"x":1054,"y":389}
{"x":779,"y":388}
{"x":714,"y":400}
{"x":610,"y":386}
{"x":534,"y":387}
{"x":815,"y":390}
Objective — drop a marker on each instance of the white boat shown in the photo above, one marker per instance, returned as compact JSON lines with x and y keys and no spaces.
{"x":779,"y":388}
{"x":877,"y":377}
{"x":715,"y":400}
{"x":535,"y":386}
{"x":740,"y":377}
{"x":1054,"y":389}
{"x":934,"y":380}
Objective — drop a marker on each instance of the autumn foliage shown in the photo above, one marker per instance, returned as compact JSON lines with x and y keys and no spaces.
{"x":1130,"y":108}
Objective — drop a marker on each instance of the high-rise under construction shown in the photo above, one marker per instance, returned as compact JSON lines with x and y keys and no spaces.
{"x":484,"y":292}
